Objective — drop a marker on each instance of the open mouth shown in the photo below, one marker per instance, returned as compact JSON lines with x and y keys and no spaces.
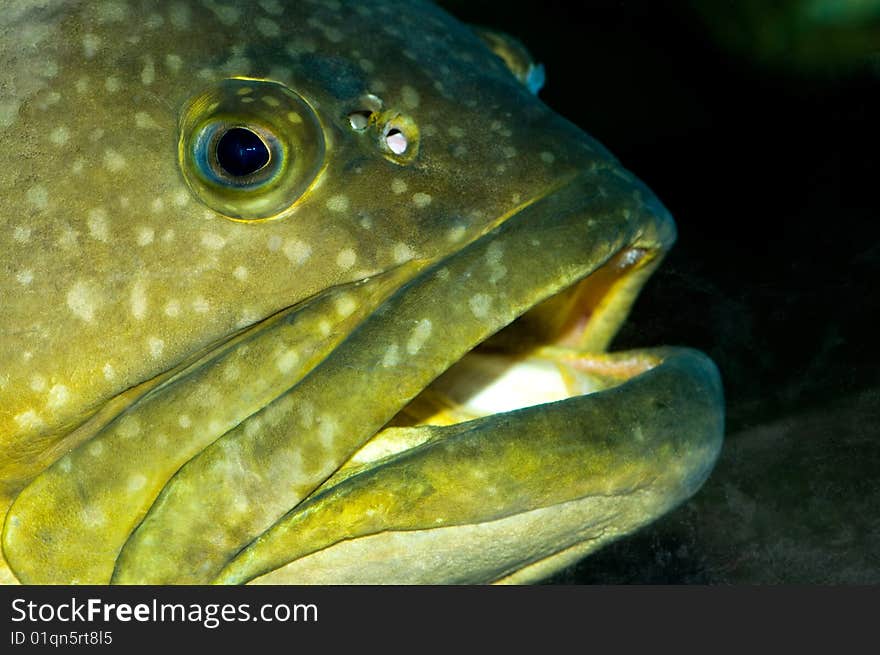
{"x":397,"y":416}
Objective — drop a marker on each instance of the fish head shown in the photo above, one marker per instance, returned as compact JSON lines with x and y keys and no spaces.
{"x":240,"y":240}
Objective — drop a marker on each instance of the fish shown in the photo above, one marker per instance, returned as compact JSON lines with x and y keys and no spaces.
{"x":318,"y":292}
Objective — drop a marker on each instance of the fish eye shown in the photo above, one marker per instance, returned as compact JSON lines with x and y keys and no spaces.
{"x":250,"y":160}
{"x":241,"y":152}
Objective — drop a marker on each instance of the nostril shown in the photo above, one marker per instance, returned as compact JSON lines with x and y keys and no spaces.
{"x":359,"y":120}
{"x":396,"y":141}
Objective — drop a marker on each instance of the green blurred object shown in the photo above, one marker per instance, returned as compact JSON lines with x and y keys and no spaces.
{"x":808,"y":37}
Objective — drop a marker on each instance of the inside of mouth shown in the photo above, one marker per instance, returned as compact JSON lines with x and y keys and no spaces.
{"x":554,"y":351}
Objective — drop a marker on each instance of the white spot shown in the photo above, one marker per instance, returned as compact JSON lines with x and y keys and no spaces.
{"x":59,"y":136}
{"x":28,"y":420}
{"x":240,"y":273}
{"x":38,"y":197}
{"x":145,"y":236}
{"x":136,"y":482}
{"x":112,"y":11}
{"x":148,"y":74}
{"x":58,"y":396}
{"x":38,"y":383}
{"x":129,"y":426}
{"x":346,"y":258}
{"x":231,"y":372}
{"x":173,"y":63}
{"x":419,"y":336}
{"x":91,"y":43}
{"x":325,"y":328}
{"x":184,"y":421}
{"x":421,"y":200}
{"x":480,"y":305}
{"x":398,"y":186}
{"x":154,"y":21}
{"x":9,"y":112}
{"x":338,"y":203}
{"x":180,"y":198}
{"x":274,"y":243}
{"x":144,"y":121}
{"x":345,"y":305}
{"x":212,"y":241}
{"x":225,"y":14}
{"x":109,"y":371}
{"x":268,"y":27}
{"x":25,"y":277}
{"x":456,"y":132}
{"x":156,"y":346}
{"x":271,"y":7}
{"x":391,"y":356}
{"x":497,"y":270}
{"x":113,"y":161}
{"x":547,"y":157}
{"x":172,"y":308}
{"x":456,"y":233}
{"x":82,"y":301}
{"x":402,"y":253}
{"x":410,"y":97}
{"x":96,"y":449}
{"x":296,"y":251}
{"x":287,"y":361}
{"x":112,"y":84}
{"x":200,"y":305}
{"x":22,"y":234}
{"x":138,"y":300}
{"x":327,"y":430}
{"x":98,"y":227}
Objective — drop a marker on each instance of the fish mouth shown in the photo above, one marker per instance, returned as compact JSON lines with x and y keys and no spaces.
{"x":352,"y":443}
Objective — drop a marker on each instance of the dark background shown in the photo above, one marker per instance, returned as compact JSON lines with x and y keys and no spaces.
{"x":770,"y":166}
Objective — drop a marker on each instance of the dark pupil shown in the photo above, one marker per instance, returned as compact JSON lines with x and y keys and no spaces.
{"x":241,"y":152}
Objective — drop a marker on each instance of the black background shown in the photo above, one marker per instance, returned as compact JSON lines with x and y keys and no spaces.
{"x":772,"y":174}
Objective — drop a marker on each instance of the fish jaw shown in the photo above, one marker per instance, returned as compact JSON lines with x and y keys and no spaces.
{"x":241,"y":484}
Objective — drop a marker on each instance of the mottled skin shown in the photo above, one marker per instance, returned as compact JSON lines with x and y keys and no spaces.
{"x":181,"y":366}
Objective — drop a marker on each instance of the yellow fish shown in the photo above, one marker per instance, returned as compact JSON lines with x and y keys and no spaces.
{"x":318,"y":291}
